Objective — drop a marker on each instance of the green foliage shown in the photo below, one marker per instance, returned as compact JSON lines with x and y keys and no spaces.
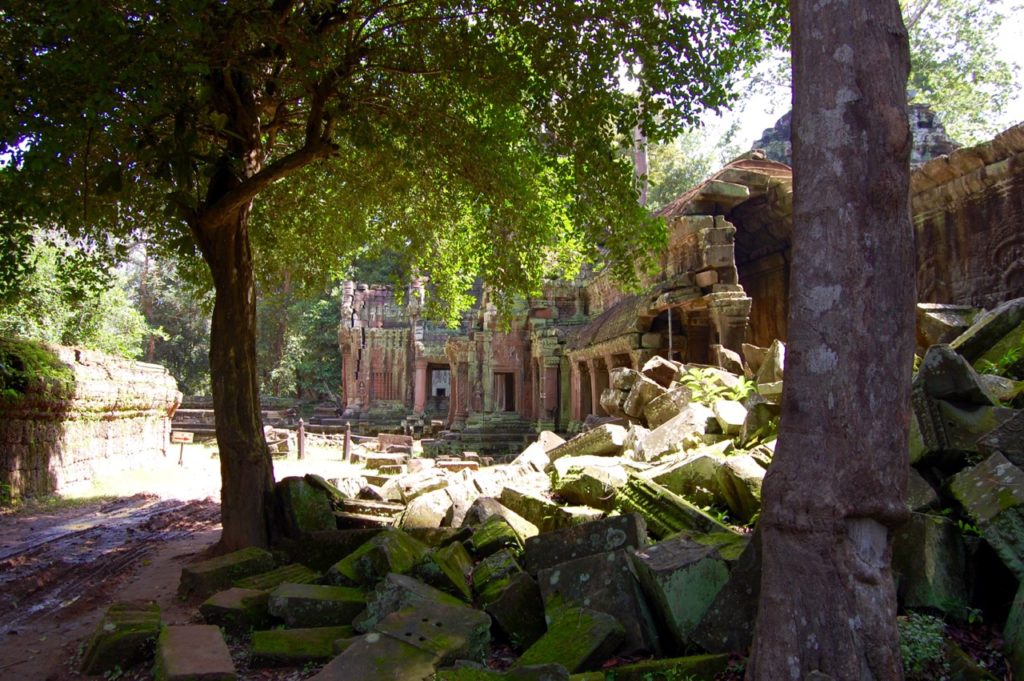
{"x":471,"y":136}
{"x":65,"y":299}
{"x":29,"y":364}
{"x":675,"y":167}
{"x":922,"y":647}
{"x":706,"y":387}
{"x":1010,"y":364}
{"x":955,"y":64}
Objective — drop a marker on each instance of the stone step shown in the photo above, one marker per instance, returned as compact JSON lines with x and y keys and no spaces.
{"x":193,"y":652}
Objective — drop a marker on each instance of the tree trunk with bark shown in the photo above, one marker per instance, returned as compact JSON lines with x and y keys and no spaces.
{"x":834,"y":492}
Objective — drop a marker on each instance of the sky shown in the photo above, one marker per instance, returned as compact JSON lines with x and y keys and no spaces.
{"x":760,"y":113}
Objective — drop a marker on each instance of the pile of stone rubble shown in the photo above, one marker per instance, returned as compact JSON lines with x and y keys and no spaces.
{"x":612,"y":547}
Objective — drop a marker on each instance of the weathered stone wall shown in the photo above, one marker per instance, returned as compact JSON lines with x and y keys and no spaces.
{"x":113,"y":415}
{"x":969,"y":223}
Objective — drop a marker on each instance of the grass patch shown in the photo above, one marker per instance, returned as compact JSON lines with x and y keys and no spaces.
{"x":54,"y":503}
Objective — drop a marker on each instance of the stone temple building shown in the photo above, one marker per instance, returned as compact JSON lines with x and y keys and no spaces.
{"x":723,"y":281}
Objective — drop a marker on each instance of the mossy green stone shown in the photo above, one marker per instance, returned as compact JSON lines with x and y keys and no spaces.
{"x":236,"y":610}
{"x":493,"y":535}
{"x":295,"y":573}
{"x":306,"y":506}
{"x":577,"y":638}
{"x":448,"y":568}
{"x":315,"y":605}
{"x":296,"y":646}
{"x":693,"y":667}
{"x":205,"y":578}
{"x":390,"y":551}
{"x":122,"y":638}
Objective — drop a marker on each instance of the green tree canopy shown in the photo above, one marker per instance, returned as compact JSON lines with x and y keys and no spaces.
{"x":471,"y":136}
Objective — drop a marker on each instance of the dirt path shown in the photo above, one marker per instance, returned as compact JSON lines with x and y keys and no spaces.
{"x":59,"y":571}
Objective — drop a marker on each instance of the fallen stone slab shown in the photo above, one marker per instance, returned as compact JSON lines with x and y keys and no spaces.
{"x":296,"y":573}
{"x":376,"y":657}
{"x":988,"y":329}
{"x":740,"y":479}
{"x":124,"y":637}
{"x":391,"y":551}
{"x":604,"y":440}
{"x":590,"y":484}
{"x":921,"y":495}
{"x":577,"y":638}
{"x":946,"y":375}
{"x":518,"y":611}
{"x":447,"y":568}
{"x":640,"y":395}
{"x":681,"y":579}
{"x":210,"y":576}
{"x":692,"y":667}
{"x":1007,"y":439}
{"x":294,"y":647}
{"x":320,"y":550}
{"x":465,"y":671}
{"x":660,"y":370}
{"x":316,"y":605}
{"x":627,"y":531}
{"x":667,"y":406}
{"x":485,"y":507}
{"x":496,"y":534}
{"x":544,"y":513}
{"x":774,"y":364}
{"x":427,"y":510}
{"x":941,"y":323}
{"x":665,"y":512}
{"x":929,"y":563}
{"x":448,"y":632}
{"x":730,"y":415}
{"x":237,"y":610}
{"x":605,"y":583}
{"x":304,"y":507}
{"x":992,"y":493}
{"x":683,"y":431}
{"x":493,"y":574}
{"x":395,"y":593}
{"x":193,"y":652}
{"x":728,"y":624}
{"x":534,"y":457}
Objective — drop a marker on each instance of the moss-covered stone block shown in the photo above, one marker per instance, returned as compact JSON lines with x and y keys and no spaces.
{"x":696,"y":667}
{"x":929,"y":563}
{"x":193,"y":652}
{"x":577,"y":638}
{"x":681,"y":579}
{"x":124,"y":637}
{"x":626,"y":531}
{"x":320,"y":550}
{"x":728,"y":624}
{"x":206,"y":578}
{"x":391,"y":551}
{"x":304,"y":507}
{"x":992,"y":493}
{"x":605,"y":583}
{"x":396,"y":592}
{"x":316,"y":605}
{"x":467,"y":672}
{"x":287,"y":647}
{"x":518,"y":611}
{"x":666,"y":513}
{"x":544,"y":513}
{"x":236,"y":610}
{"x":493,"y":535}
{"x":448,"y":568}
{"x":451,"y":632}
{"x":492,"y":575}
{"x":294,"y":573}
{"x":376,"y":656}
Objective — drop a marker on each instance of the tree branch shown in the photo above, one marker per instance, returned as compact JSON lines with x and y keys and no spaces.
{"x":248,"y":189}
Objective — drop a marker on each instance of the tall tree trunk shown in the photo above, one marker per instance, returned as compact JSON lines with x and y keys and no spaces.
{"x":247,"y":477}
{"x":835,"y":489}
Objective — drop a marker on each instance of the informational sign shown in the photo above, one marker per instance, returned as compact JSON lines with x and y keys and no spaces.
{"x":180,"y":437}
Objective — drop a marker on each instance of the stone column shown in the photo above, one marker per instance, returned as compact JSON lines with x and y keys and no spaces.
{"x":730,"y":313}
{"x":419,"y":404}
{"x":595,"y":390}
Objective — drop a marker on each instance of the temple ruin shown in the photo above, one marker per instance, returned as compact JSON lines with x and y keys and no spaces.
{"x":722,"y":282}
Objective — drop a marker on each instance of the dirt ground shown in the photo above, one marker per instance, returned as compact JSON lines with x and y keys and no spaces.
{"x":122,"y":538}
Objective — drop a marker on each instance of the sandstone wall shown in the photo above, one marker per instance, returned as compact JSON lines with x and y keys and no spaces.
{"x":107,"y":416}
{"x":969,"y":223}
